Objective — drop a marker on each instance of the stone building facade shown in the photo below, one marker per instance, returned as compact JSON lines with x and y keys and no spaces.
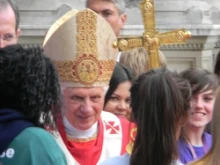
{"x":201,"y":17}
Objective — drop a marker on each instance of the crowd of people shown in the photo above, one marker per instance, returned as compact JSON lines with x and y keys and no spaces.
{"x":78,"y":101}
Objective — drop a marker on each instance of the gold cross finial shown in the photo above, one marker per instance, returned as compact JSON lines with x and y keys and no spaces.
{"x":152,"y":39}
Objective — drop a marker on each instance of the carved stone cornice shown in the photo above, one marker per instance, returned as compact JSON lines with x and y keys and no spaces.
{"x":34,"y":30}
{"x":190,"y":46}
{"x":203,"y":36}
{"x":196,"y":30}
{"x":26,"y":45}
{"x":193,"y":46}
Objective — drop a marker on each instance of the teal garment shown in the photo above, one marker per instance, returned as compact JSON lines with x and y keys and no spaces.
{"x":33,"y":146}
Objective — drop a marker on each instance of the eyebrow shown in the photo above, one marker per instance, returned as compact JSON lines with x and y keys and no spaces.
{"x":115,"y":94}
{"x":95,"y":94}
{"x":106,"y":10}
{"x":211,"y":93}
{"x":208,"y":93}
{"x":103,"y":11}
{"x":119,"y":95}
{"x":78,"y":95}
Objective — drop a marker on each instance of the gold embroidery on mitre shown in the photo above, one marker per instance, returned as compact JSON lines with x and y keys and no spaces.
{"x":86,"y":33}
{"x":86,"y":70}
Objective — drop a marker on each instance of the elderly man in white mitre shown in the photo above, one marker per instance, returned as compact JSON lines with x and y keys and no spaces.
{"x":81,"y":45}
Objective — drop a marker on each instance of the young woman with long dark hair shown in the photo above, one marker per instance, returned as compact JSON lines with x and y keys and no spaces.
{"x":160,"y":102}
{"x":118,"y":97}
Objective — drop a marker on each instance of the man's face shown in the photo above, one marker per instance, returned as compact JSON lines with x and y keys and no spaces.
{"x":83,"y":106}
{"x":8,"y":34}
{"x":110,"y":13}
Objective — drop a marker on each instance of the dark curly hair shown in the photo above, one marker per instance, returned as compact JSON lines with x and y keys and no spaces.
{"x":29,"y":83}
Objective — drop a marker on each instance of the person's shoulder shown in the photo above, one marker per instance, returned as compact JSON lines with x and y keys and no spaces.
{"x":112,"y":117}
{"x":34,"y":134}
{"x":208,"y":139}
{"x":107,"y":116}
{"x":176,"y":162}
{"x":122,"y":160}
{"x":123,"y":120}
{"x":38,"y":138}
{"x":36,"y":142}
{"x":182,"y":143}
{"x":207,"y":135}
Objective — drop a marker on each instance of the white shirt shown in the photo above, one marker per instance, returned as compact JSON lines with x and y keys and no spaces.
{"x":119,"y":56}
{"x":125,"y":160}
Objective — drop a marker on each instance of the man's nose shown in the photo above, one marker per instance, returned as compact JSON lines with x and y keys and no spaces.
{"x":86,"y":106}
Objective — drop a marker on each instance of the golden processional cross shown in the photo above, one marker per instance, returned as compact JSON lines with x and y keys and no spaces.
{"x":152,"y":39}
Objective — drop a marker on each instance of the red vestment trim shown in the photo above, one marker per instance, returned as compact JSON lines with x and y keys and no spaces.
{"x":88,"y":153}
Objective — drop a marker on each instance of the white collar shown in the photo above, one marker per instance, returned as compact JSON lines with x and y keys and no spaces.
{"x":77,"y":133}
{"x":176,"y":162}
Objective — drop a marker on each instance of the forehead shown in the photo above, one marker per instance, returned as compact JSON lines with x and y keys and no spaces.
{"x":7,"y":19}
{"x":203,"y":88}
{"x":101,"y":5}
{"x":205,"y":92}
{"x":124,"y":86}
{"x":84,"y":91}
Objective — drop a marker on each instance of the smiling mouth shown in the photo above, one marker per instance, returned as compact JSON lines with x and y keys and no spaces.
{"x":84,"y":117}
{"x":198,"y":114}
{"x":121,"y":115}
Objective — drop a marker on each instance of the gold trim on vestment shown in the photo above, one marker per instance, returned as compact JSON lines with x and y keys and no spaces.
{"x":83,"y":139}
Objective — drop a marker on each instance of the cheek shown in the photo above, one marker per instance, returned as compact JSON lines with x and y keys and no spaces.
{"x":113,"y":21}
{"x":71,"y":108}
{"x":129,"y":110}
{"x":129,"y":114}
{"x":10,"y":43}
{"x":209,"y":107}
{"x":99,"y":107}
{"x":210,"y":112}
{"x":110,"y":106}
{"x":15,"y":41}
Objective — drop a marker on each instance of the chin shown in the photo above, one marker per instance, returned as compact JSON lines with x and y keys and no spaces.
{"x":121,"y":116}
{"x":199,"y":125}
{"x":86,"y":126}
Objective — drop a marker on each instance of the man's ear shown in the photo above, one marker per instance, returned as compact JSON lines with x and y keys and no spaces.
{"x":18,"y":33}
{"x":123,"y":19}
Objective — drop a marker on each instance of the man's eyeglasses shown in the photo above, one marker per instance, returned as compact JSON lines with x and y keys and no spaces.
{"x":8,"y":37}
